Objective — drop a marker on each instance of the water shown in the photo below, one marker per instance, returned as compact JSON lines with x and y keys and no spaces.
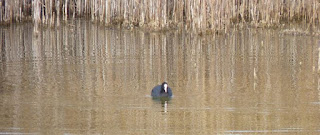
{"x":83,"y":78}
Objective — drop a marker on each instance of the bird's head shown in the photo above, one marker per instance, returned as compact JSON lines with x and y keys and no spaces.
{"x":165,"y":87}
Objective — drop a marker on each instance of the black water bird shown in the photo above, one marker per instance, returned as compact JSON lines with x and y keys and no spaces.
{"x":162,"y":90}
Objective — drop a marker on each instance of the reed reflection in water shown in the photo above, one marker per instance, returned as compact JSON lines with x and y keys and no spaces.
{"x":82,"y":78}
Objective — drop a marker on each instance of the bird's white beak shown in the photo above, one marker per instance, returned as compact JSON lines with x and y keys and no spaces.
{"x":165,"y":86}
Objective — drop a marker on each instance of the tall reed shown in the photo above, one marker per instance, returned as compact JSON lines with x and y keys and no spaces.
{"x":200,"y":15}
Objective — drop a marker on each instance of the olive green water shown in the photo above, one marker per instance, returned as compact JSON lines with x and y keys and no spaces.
{"x":82,"y":78}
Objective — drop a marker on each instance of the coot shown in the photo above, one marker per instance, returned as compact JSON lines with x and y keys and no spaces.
{"x":161,"y":91}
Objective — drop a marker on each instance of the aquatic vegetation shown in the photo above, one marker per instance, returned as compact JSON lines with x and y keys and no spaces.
{"x":199,"y":15}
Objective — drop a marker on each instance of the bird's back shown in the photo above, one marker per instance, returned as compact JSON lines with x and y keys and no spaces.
{"x":156,"y":91}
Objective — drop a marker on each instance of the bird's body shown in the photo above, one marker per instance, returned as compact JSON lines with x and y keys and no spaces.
{"x":161,"y":91}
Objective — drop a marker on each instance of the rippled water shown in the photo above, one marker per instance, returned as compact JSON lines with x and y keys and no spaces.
{"x":83,"y":78}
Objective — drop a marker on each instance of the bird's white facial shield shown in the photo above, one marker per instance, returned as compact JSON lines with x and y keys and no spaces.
{"x":165,"y":86}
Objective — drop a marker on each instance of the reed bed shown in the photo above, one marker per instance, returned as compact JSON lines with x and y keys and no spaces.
{"x":199,"y":15}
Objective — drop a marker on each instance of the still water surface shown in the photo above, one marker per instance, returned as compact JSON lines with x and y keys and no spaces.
{"x":83,"y":78}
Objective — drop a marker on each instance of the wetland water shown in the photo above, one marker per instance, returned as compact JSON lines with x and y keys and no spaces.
{"x":82,"y":78}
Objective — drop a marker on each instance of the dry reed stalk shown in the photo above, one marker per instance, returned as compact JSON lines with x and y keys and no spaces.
{"x":92,"y":9}
{"x":126,"y":13}
{"x":203,"y":17}
{"x":199,"y":15}
{"x":108,"y":12}
{"x":157,"y":13}
{"x":118,"y":11}
{"x":164,"y":14}
{"x":79,"y":13}
{"x":142,"y":12}
{"x":58,"y":11}
{"x":187,"y":14}
{"x":101,"y":10}
{"x":18,"y":6}
{"x":180,"y":15}
{"x":151,"y":9}
{"x":73,"y":9}
{"x":36,"y":15}
{"x":6,"y":10}
{"x":51,"y":13}
{"x":44,"y":8}
{"x":1,"y":13}
{"x":65,"y":15}
{"x":87,"y":7}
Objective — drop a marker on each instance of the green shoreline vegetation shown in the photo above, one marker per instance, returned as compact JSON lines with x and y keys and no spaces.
{"x":204,"y":16}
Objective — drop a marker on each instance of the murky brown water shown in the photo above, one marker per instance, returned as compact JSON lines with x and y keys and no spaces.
{"x":86,"y":79}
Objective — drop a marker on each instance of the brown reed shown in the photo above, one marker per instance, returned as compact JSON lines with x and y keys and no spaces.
{"x":198,"y":15}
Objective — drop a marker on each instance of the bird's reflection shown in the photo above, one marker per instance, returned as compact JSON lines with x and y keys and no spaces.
{"x":165,"y":106}
{"x":164,"y":101}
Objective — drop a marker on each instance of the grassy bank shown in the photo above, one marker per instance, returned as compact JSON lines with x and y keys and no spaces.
{"x":200,"y":15}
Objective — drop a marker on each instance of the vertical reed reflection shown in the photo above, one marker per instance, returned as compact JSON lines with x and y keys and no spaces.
{"x":85,"y":78}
